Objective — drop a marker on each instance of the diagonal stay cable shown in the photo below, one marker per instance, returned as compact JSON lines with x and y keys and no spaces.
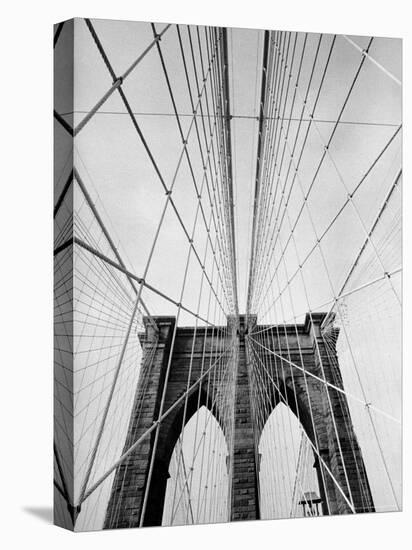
{"x":128,"y":273}
{"x":286,"y":196}
{"x":325,"y":382}
{"x":102,"y":226}
{"x":63,"y":122}
{"x":58,"y":33}
{"x":308,"y":438}
{"x":150,"y":430}
{"x":282,"y":189}
{"x":185,"y":140}
{"x":370,"y":232}
{"x":63,"y":489}
{"x":319,"y":307}
{"x":63,"y":193}
{"x":216,"y":205}
{"x":325,"y":149}
{"x":366,"y":54}
{"x":148,"y":151}
{"x":117,"y":81}
{"x":335,"y":218}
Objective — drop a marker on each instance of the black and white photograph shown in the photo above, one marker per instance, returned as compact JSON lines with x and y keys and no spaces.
{"x":227,"y":274}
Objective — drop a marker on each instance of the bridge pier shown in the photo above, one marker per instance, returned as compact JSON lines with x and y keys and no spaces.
{"x":194,"y":350}
{"x":129,"y":486}
{"x":244,"y":489}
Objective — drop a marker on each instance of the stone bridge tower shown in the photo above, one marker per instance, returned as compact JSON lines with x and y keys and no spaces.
{"x":307,"y":396}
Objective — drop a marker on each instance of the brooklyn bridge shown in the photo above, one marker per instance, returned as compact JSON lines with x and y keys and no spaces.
{"x":227,"y":274}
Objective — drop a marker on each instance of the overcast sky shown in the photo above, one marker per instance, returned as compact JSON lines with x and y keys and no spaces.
{"x":117,"y":168}
{"x":112,"y":162}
